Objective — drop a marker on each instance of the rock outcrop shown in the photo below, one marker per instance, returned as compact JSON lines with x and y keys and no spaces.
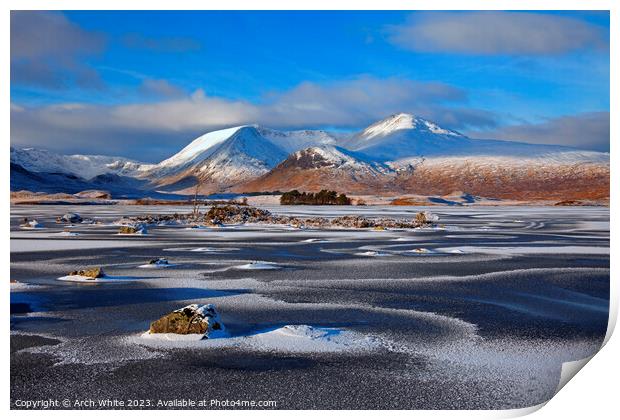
{"x":426,"y":218}
{"x":91,"y":273}
{"x":69,"y":218}
{"x":230,"y":213}
{"x":192,"y":319}
{"x":239,"y":214}
{"x":159,"y":261}
{"x":132,"y":230}
{"x":30,"y":224}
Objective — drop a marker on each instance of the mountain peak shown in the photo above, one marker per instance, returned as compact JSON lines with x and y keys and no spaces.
{"x":200,"y":146}
{"x":390,"y":124}
{"x":404,"y":121}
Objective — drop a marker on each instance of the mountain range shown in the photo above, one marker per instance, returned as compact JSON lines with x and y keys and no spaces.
{"x":402,"y":154}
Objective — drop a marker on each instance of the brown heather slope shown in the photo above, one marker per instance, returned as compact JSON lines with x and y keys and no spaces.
{"x":314,"y":180}
{"x":315,"y":168}
{"x":524,"y":180}
{"x":530,"y":180}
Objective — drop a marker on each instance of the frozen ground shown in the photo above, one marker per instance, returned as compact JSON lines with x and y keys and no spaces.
{"x":477,"y":313}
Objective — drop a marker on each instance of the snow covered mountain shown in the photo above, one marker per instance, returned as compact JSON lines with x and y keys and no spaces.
{"x":400,"y":154}
{"x":223,"y":158}
{"x":82,"y":166}
{"x":408,"y":154}
{"x":217,"y":160}
{"x":404,"y":135}
{"x":403,"y":138}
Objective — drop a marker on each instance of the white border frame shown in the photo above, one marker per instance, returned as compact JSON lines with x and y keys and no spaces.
{"x":592,"y":394}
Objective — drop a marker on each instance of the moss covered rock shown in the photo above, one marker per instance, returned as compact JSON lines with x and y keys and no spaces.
{"x":93,"y":273}
{"x":192,"y":319}
{"x":132,"y":230}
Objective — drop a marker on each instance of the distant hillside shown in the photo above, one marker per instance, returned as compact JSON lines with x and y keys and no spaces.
{"x":402,"y":154}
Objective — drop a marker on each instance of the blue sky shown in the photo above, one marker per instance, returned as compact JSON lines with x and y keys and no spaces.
{"x":143,"y":84}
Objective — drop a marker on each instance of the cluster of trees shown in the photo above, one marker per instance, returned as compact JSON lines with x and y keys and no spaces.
{"x":323,"y":197}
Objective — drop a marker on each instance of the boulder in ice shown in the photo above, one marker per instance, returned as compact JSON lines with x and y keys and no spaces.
{"x":132,"y":230}
{"x":70,"y":218}
{"x":191,"y":319}
{"x":91,"y":273}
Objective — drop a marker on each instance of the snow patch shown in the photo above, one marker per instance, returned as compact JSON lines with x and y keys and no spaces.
{"x":201,"y":249}
{"x":286,"y":339}
{"x":259,"y":265}
{"x":417,"y":251}
{"x":315,"y":240}
{"x":373,"y":254}
{"x":157,"y":265}
{"x":311,"y":339}
{"x":106,"y":279}
{"x":17,"y":285}
{"x":528,"y":250}
{"x":65,"y":233}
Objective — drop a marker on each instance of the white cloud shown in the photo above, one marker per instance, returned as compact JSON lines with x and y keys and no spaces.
{"x":487,"y":33}
{"x":166,"y":125}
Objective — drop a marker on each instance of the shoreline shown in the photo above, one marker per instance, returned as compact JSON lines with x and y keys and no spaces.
{"x":132,"y":202}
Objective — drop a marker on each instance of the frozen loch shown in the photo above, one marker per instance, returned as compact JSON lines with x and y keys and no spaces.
{"x":477,"y":311}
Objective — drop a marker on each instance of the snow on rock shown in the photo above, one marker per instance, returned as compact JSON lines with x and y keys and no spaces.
{"x":426,"y":217}
{"x":93,"y":273}
{"x":197,"y":321}
{"x":69,"y":218}
{"x":31,"y":224}
{"x":293,"y":339}
{"x":157,"y":263}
